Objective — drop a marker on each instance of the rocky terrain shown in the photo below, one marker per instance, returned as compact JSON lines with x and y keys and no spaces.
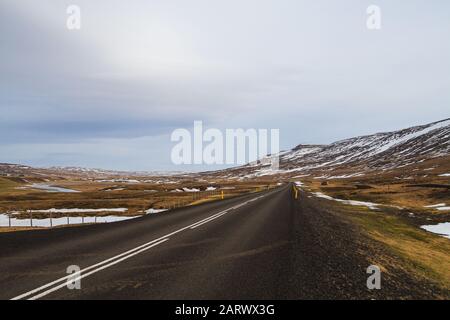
{"x":359,"y":156}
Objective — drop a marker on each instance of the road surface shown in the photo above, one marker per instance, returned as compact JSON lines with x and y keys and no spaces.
{"x":264,"y":245}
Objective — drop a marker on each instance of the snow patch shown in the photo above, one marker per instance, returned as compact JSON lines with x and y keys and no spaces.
{"x":191,"y":189}
{"x":439,"y":206}
{"x":442,"y":229}
{"x":435,"y":205}
{"x":151,"y":210}
{"x":119,"y":180}
{"x":48,"y":188}
{"x":370,"y":205}
{"x":45,"y":223}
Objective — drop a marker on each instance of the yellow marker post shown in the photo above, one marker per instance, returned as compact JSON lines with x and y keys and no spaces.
{"x":222,"y":194}
{"x":296,"y":193}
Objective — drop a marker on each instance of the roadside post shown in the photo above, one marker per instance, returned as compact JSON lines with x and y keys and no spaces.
{"x":31,"y":219}
{"x":9,"y":220}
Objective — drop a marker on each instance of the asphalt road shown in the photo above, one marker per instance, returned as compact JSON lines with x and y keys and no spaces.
{"x":264,"y":245}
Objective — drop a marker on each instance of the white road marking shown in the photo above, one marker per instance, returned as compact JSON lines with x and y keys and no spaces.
{"x":209,"y":220}
{"x":120,"y":257}
{"x":95,"y":270}
{"x":225,"y":212}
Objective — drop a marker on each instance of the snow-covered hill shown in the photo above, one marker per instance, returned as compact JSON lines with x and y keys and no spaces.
{"x":342,"y":159}
{"x":380,"y":151}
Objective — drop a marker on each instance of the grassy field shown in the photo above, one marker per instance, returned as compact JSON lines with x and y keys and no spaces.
{"x":7,"y":186}
{"x":411,"y":194}
{"x":423,"y":253}
{"x":137,"y":196}
{"x":396,"y":225}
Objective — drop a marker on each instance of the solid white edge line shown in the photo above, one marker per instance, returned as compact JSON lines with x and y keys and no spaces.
{"x":202,"y":223}
{"x":108,"y":260}
{"x":209,"y":218}
{"x":191,"y":226}
{"x":43,"y":294}
{"x":225,"y":212}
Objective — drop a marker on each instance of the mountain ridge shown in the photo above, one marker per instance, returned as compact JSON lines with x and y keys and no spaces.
{"x":379,"y":151}
{"x":348,"y":157}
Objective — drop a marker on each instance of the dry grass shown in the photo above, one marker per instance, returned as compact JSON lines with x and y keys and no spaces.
{"x":426,"y":254}
{"x":8,"y":186}
{"x":413,"y":194}
{"x":136,"y":197}
{"x":422,"y":253}
{"x":13,"y":229}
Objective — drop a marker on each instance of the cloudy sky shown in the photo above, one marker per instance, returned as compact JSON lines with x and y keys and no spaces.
{"x":110,"y":94}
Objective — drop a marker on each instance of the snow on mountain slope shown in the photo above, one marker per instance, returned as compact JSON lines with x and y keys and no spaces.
{"x":347,"y":158}
{"x":371,"y":152}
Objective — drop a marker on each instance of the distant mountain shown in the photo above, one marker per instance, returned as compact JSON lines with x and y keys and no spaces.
{"x":17,"y":170}
{"x":347,"y":158}
{"x":104,"y":172}
{"x":355,"y":156}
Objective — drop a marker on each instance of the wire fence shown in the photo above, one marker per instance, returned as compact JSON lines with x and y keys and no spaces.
{"x":49,"y":221}
{"x":12,"y":220}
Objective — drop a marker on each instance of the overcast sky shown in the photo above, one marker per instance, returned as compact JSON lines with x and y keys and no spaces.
{"x":110,"y":94}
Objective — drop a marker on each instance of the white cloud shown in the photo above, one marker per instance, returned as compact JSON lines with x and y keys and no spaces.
{"x":141,"y":69}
